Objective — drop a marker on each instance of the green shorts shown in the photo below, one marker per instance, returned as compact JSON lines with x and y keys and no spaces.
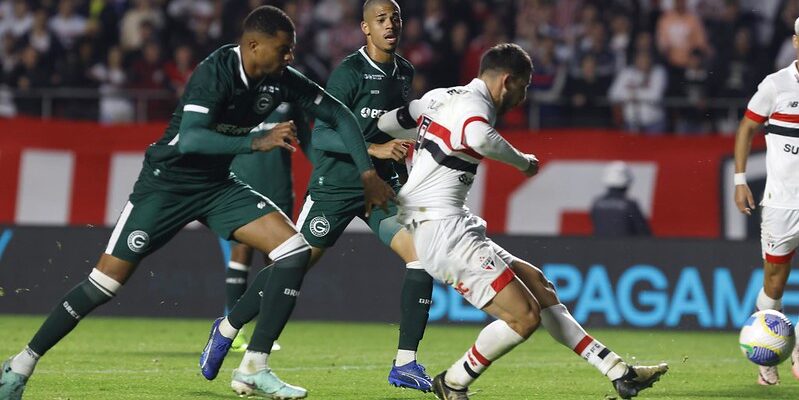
{"x":152,"y":216}
{"x":322,"y":222}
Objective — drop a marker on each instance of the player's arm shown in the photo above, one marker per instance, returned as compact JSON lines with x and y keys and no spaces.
{"x":325,"y":138}
{"x":484,"y":139}
{"x":303,"y":124}
{"x":196,"y":136}
{"x":400,"y":123}
{"x":756,"y":115}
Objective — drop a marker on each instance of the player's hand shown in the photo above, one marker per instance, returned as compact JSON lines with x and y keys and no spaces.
{"x":395,"y":149}
{"x":281,"y":135}
{"x":744,"y":199}
{"x":532,"y":169}
{"x":376,"y":191}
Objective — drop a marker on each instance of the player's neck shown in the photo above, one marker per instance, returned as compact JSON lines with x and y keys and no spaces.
{"x":379,"y":56}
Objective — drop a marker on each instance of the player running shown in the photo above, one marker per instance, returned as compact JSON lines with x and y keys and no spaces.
{"x":269,"y":174}
{"x":774,"y":102}
{"x":369,"y":82}
{"x":186,"y":177}
{"x":455,"y":131}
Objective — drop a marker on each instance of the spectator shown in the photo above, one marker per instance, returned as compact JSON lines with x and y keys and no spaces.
{"x":67,"y":25}
{"x":548,"y":81}
{"x":178,"y":70}
{"x":20,"y":21}
{"x":414,"y":47}
{"x":614,"y":214}
{"x":639,"y":90}
{"x":143,"y":12}
{"x":491,"y":35}
{"x":42,"y":38}
{"x":8,"y":56}
{"x":678,"y":33}
{"x":693,"y":90}
{"x":585,"y":93}
{"x":111,"y":78}
{"x":620,"y":40}
{"x":27,"y":75}
{"x":148,"y":74}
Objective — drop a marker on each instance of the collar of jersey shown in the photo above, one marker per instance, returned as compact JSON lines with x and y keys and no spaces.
{"x":478,"y":85}
{"x":237,"y":50}
{"x":362,"y":50}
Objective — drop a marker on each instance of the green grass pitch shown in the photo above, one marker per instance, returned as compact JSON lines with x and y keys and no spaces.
{"x":130,"y":358}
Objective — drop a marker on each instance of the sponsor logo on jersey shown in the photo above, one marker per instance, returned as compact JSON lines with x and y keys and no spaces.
{"x":319,"y":226}
{"x":232,"y":130}
{"x":373,"y":77}
{"x":263,"y":103}
{"x":374,"y":113}
{"x":137,"y":241}
{"x":791,"y":149}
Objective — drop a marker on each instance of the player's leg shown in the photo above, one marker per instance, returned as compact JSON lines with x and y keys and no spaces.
{"x":236,"y":272}
{"x":517,"y":314}
{"x":415,"y":301}
{"x":779,"y":238}
{"x":139,"y":231}
{"x":557,"y":320}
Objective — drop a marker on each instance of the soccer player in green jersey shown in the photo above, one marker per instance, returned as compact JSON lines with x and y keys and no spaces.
{"x":370,"y":81}
{"x":185,"y":177}
{"x":277,"y":185}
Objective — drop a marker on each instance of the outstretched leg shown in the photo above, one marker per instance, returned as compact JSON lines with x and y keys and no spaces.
{"x":556,"y":319}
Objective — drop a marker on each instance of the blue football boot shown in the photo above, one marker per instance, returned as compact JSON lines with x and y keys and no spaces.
{"x":411,"y":375}
{"x":214,"y":352}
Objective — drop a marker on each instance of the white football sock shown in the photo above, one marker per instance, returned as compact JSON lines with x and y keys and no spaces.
{"x":227,"y":330}
{"x":764,"y":302}
{"x":565,"y":329}
{"x":24,"y":362}
{"x":496,"y":339}
{"x":404,"y":357}
{"x":253,"y":362}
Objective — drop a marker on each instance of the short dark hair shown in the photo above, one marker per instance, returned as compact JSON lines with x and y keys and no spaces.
{"x":369,"y":3}
{"x":507,"y":57}
{"x":268,"y":20}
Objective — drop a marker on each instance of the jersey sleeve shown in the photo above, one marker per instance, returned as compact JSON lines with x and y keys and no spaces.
{"x":486,"y":141}
{"x":207,"y":90}
{"x":762,"y":103}
{"x":322,"y":106}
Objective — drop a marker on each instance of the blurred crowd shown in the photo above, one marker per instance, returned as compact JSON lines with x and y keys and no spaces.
{"x":647,"y":66}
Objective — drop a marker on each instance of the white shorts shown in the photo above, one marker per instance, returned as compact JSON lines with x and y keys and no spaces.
{"x":457,"y":252}
{"x":779,"y":234}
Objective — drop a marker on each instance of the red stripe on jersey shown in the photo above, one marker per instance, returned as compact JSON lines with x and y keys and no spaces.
{"x":779,"y":259}
{"x":503,"y":280}
{"x":444,"y":134}
{"x":793,"y":118}
{"x":583,"y":344}
{"x":480,"y":358}
{"x":755,"y":116}
{"x":469,"y":150}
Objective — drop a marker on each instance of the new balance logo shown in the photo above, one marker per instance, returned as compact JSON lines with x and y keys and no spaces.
{"x":70,"y":310}
{"x":793,"y":104}
{"x":291,"y":292}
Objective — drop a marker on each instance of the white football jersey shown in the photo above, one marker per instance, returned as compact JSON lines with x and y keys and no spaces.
{"x":444,"y":164}
{"x":777,"y":102}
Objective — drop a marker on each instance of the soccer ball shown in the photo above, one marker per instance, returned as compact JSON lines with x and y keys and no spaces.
{"x":767,"y":338}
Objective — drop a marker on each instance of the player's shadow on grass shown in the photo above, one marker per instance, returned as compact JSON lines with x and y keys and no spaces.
{"x":209,"y":395}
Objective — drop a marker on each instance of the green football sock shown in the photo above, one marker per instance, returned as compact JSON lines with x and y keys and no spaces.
{"x":249,"y":303}
{"x":79,"y":302}
{"x":417,"y":290}
{"x":279,"y":297}
{"x":235,"y":286}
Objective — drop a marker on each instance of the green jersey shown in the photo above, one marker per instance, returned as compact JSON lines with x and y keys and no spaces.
{"x":369,"y":89}
{"x":229,"y":105}
{"x":269,"y":173}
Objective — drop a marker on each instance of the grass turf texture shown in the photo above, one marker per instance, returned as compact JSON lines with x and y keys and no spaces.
{"x":130,"y":358}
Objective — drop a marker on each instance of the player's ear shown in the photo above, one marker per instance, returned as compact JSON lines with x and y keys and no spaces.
{"x":365,"y":28}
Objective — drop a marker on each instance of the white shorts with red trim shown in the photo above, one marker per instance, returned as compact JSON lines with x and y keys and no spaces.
{"x":779,"y":234}
{"x":456,"y":251}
